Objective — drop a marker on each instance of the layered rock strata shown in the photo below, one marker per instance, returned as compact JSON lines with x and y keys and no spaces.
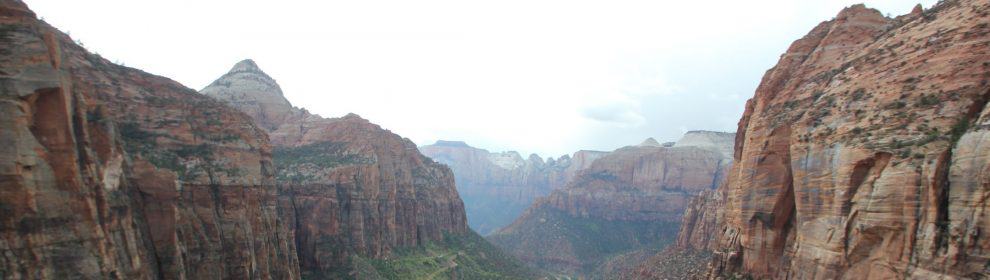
{"x":108,"y":172}
{"x":863,"y":154}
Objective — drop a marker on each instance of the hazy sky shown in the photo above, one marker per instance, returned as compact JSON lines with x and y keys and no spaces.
{"x":550,"y":77}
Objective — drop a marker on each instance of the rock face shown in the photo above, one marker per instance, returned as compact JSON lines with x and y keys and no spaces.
{"x":630,"y":199}
{"x":497,"y":187}
{"x":107,"y":172}
{"x":862,"y":155}
{"x":350,"y":187}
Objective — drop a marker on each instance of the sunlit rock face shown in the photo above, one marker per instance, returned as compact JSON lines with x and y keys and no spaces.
{"x":497,"y":187}
{"x":108,"y":172}
{"x":351,"y":187}
{"x":630,"y":199}
{"x":862,"y":155}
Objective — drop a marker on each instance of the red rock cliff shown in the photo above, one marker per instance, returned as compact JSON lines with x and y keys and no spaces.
{"x":863,"y":154}
{"x":107,"y":172}
{"x":640,"y":183}
{"x":348,"y":186}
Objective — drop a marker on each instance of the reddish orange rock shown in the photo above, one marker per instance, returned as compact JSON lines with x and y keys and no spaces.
{"x":108,"y":172}
{"x":862,"y":155}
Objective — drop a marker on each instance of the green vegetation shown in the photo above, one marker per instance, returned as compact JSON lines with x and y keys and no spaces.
{"x":138,"y":141}
{"x":486,"y":214}
{"x":464,"y":256}
{"x":895,"y":105}
{"x":323,"y":155}
{"x":959,"y":129}
{"x":593,"y":241}
{"x":928,"y":100}
{"x":603,"y":175}
{"x":858,"y":94}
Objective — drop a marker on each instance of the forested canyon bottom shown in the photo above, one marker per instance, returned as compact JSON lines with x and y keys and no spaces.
{"x":864,"y":154}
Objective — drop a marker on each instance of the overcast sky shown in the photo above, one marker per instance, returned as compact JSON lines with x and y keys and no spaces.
{"x":550,"y":77}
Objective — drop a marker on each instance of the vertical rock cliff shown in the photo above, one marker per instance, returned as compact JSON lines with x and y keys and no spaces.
{"x":107,"y":172}
{"x":497,"y":187}
{"x":628,"y":200}
{"x":862,"y":155}
{"x":355,"y":193}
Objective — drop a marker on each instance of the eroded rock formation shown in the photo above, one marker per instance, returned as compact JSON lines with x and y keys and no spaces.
{"x":862,"y":155}
{"x":497,"y":187}
{"x":108,"y":172}
{"x":350,"y":187}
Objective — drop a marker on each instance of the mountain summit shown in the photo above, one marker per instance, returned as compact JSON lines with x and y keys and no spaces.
{"x":252,"y":91}
{"x":649,"y":142}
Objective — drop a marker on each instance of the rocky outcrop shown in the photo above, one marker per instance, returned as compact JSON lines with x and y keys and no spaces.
{"x":630,"y":199}
{"x":722,"y":142}
{"x":351,"y":188}
{"x":701,"y":220}
{"x":108,"y":172}
{"x":253,"y":92}
{"x":640,"y":183}
{"x":497,"y":187}
{"x":863,"y":154}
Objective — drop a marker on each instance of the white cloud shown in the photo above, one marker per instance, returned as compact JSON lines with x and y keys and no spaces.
{"x":623,"y":114}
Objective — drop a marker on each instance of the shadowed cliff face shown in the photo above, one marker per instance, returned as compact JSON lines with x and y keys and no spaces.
{"x":628,"y":200}
{"x":497,"y":187}
{"x":107,"y":172}
{"x":350,"y":187}
{"x":862,"y":155}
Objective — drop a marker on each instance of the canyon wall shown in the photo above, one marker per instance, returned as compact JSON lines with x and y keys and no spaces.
{"x":497,"y":187}
{"x":108,"y":172}
{"x":628,"y":200}
{"x":862,"y":155}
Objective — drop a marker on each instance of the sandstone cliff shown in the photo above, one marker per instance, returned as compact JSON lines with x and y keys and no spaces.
{"x":862,"y":155}
{"x":630,"y":199}
{"x":108,"y":172}
{"x":497,"y":187}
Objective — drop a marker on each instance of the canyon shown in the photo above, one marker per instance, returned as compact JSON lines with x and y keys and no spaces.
{"x":628,"y":200}
{"x":497,"y":187}
{"x":863,"y":154}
